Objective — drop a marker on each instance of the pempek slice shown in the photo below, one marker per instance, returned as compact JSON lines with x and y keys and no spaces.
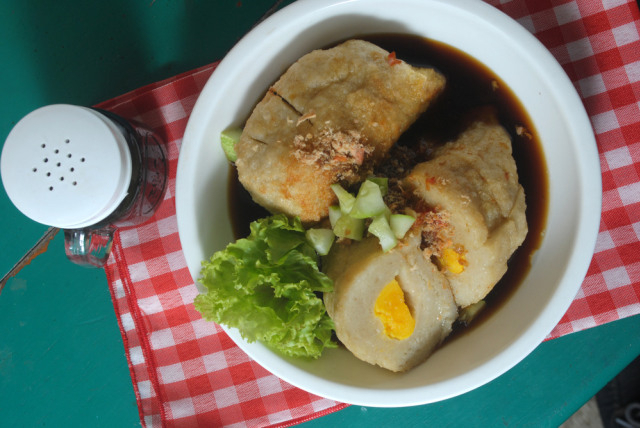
{"x":330,"y":118}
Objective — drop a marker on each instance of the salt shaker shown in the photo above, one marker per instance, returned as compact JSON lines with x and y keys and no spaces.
{"x":86,"y":171}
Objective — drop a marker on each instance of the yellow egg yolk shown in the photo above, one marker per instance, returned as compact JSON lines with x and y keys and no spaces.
{"x":394,"y":313}
{"x":452,"y":260}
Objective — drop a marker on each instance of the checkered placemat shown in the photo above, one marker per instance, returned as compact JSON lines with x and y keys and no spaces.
{"x":598,"y":45}
{"x":187,"y":372}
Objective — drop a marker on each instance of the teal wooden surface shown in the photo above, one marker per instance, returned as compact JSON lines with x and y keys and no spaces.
{"x":62,"y":360}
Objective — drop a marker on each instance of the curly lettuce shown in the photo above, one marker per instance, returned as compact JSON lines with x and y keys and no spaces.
{"x":265,"y":286}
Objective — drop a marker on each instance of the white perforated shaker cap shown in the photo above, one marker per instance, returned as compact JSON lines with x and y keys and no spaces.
{"x":66,"y":166}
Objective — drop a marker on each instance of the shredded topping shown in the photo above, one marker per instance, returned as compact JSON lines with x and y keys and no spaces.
{"x":432,"y":223}
{"x":339,"y":151}
{"x":436,"y":232}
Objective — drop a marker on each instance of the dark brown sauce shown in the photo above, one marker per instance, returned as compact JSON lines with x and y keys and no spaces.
{"x":470,"y":85}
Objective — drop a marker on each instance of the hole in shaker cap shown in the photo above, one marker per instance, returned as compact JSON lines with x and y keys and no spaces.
{"x":35,"y":170}
{"x":67,"y":141}
{"x":50,"y":188}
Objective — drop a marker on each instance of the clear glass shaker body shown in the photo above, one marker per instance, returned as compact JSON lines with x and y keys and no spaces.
{"x":149,"y":173}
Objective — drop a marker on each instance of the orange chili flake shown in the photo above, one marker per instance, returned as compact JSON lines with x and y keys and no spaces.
{"x":392,"y":60}
{"x":429,"y":181}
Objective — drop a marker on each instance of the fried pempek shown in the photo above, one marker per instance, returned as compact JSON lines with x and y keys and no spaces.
{"x":331,"y":117}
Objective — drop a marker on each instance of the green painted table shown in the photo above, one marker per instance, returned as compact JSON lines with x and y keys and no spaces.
{"x":62,"y":360}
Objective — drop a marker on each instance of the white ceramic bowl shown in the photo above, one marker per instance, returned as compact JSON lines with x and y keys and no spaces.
{"x":557,"y":113}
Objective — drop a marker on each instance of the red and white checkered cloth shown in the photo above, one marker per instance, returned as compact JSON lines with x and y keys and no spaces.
{"x":187,"y":372}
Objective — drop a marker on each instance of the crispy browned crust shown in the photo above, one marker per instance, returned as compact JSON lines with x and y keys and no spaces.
{"x":330,"y":118}
{"x":475,"y":181}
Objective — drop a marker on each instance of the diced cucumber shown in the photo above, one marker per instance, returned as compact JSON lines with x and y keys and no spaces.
{"x":386,"y":213}
{"x":400,"y":224}
{"x":345,"y":199}
{"x":369,"y":202}
{"x":380,"y":228}
{"x":321,"y":240}
{"x":382,"y":182}
{"x":228,"y":139}
{"x":349,"y":227}
{"x":348,"y":219}
{"x":334,"y":214}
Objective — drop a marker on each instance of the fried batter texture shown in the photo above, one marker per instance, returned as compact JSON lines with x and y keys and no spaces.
{"x":331,"y":117}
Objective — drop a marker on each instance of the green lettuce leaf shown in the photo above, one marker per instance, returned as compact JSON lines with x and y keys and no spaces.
{"x":265,"y":286}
